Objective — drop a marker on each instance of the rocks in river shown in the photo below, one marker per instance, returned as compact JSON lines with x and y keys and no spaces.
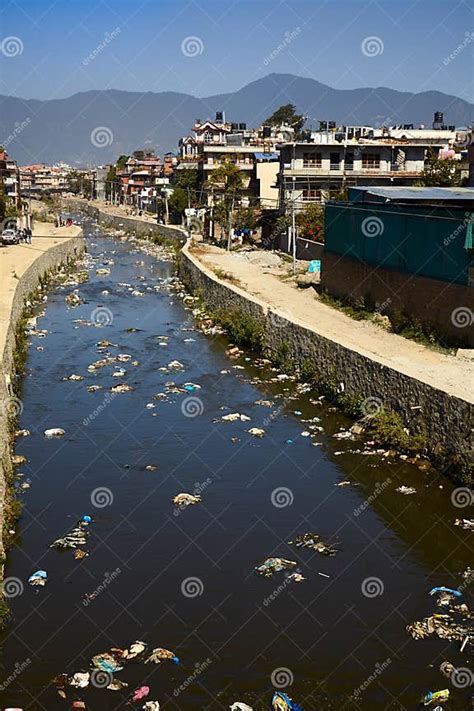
{"x":184,"y":500}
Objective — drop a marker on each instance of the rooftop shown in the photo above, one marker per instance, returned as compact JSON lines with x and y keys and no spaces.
{"x":425,"y":194}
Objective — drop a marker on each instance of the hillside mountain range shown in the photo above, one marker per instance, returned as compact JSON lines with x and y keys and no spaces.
{"x":94,"y":127}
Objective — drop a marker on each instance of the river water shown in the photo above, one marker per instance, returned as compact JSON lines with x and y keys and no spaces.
{"x":335,"y":641}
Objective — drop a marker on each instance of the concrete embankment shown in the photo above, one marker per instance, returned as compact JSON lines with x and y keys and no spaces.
{"x":446,"y":420}
{"x":21,"y":268}
{"x":114,"y":217}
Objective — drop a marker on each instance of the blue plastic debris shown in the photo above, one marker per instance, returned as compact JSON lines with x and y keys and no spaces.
{"x":38,"y":578}
{"x":282,"y":702}
{"x":86,"y":519}
{"x":289,"y":441}
{"x":456,"y":593}
{"x":298,"y":412}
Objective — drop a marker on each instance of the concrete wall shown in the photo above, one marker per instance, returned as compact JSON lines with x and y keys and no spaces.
{"x":437,"y":304}
{"x":447,"y":420}
{"x":126,"y":223}
{"x":27,"y":283}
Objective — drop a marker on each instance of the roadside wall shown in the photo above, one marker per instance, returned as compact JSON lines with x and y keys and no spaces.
{"x":28,"y":281}
{"x":447,"y":420}
{"x":438,"y":304}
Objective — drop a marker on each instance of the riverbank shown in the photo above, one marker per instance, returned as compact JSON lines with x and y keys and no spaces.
{"x":367,"y":365}
{"x":21,"y":269}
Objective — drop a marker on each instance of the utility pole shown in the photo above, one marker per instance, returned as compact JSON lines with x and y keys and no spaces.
{"x":293,"y":231}
{"x":229,"y":224}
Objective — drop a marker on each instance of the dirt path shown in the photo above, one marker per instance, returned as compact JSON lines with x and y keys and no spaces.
{"x":261,"y":274}
{"x":15,"y":260}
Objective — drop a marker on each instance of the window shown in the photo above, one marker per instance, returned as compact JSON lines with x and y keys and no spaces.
{"x":371,"y":160}
{"x":334,"y":160}
{"x":311,"y":194}
{"x":349,"y":161}
{"x":208,"y":138}
{"x":311,"y":160}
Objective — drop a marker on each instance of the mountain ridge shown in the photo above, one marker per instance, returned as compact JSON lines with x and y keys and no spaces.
{"x":62,"y":129}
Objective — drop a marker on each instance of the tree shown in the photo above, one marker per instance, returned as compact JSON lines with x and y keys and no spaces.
{"x":122,"y":162}
{"x":310,"y":221}
{"x":287,"y":114}
{"x":440,"y":172}
{"x":178,"y":201}
{"x":227,"y":181}
{"x":246,"y":217}
{"x":139,"y":155}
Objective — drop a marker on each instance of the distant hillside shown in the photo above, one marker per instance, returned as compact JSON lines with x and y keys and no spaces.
{"x":61,"y":129}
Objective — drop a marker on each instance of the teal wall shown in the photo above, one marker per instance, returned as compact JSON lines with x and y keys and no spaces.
{"x":429,"y":241}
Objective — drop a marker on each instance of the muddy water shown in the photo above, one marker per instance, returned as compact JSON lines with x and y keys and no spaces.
{"x":336,"y":640}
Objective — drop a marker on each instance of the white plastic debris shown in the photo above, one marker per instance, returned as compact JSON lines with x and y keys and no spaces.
{"x":54,"y":432}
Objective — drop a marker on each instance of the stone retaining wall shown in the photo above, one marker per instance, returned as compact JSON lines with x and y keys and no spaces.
{"x":447,"y":420}
{"x":127,"y":223}
{"x":28,"y":282}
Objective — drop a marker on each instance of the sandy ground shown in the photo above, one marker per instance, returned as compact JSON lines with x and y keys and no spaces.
{"x":16,"y":259}
{"x":266,"y":276}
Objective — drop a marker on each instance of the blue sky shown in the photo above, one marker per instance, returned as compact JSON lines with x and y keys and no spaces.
{"x":232,"y":43}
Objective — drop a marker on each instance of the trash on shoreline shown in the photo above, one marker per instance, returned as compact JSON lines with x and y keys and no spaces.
{"x":121,"y":388}
{"x":314,"y":542}
{"x":282,"y":702}
{"x":406,"y":490}
{"x":435,"y":697}
{"x":442,"y":589}
{"x":466,"y":523}
{"x":73,"y":299}
{"x":256,"y":431}
{"x":39,"y":578}
{"x":184,"y":500}
{"x":240,"y":706}
{"x":447,"y":669}
{"x":76,"y":537}
{"x":159,"y":654}
{"x":54,"y":432}
{"x":22,"y":433}
{"x":274,"y":565}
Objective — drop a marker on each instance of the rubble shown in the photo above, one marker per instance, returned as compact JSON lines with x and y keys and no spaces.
{"x":274,"y":565}
{"x":314,"y":542}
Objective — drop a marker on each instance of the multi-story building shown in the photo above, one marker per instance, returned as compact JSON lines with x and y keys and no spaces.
{"x":9,"y":176}
{"x":43,"y":178}
{"x":336,"y":158}
{"x":142,"y":180}
{"x":252,"y":150}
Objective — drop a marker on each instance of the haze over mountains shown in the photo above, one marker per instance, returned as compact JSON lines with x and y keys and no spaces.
{"x":49,"y":131}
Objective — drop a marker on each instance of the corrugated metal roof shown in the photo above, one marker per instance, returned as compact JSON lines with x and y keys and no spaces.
{"x":430,"y":194}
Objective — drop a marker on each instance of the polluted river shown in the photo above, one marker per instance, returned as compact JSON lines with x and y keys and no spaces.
{"x":156,"y":408}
